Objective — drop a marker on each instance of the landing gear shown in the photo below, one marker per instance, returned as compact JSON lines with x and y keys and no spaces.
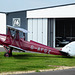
{"x":8,"y":51}
{"x":6,"y":55}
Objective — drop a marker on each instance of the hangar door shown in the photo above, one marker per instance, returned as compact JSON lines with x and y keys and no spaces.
{"x":37,"y":30}
{"x":2,"y":23}
{"x":65,"y":31}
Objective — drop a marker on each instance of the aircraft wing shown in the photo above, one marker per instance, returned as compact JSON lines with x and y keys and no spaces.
{"x":14,"y":47}
{"x":17,"y":28}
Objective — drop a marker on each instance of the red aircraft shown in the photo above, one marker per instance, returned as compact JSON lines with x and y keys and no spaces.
{"x":15,"y":39}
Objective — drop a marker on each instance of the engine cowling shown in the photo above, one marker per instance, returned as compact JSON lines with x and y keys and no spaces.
{"x":69,"y":49}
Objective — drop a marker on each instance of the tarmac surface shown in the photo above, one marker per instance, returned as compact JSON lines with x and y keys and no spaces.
{"x":58,"y":72}
{"x":2,"y":49}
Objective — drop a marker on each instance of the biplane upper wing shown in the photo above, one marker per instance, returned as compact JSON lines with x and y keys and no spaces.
{"x":17,"y":28}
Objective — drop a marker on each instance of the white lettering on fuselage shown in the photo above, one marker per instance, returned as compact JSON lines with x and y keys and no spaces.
{"x":32,"y":47}
{"x":41,"y":49}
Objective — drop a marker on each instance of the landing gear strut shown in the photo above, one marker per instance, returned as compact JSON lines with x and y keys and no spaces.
{"x":8,"y":51}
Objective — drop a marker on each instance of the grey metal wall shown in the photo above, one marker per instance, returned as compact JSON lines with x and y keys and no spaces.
{"x":21,"y":15}
{"x":51,"y":33}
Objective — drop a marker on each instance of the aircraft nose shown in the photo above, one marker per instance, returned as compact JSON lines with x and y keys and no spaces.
{"x":65,"y":49}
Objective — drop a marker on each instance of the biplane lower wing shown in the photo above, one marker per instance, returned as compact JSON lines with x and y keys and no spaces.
{"x":17,"y":48}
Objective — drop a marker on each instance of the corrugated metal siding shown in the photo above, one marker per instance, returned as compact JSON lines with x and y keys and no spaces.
{"x":2,"y":23}
{"x":38,"y":30}
{"x":51,"y":33}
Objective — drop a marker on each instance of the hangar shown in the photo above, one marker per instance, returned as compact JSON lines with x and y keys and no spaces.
{"x":52,"y":26}
{"x":3,"y":22}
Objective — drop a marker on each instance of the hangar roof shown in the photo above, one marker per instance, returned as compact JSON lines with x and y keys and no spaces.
{"x":61,"y":11}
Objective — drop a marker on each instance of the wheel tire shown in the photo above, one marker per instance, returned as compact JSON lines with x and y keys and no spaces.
{"x":6,"y":55}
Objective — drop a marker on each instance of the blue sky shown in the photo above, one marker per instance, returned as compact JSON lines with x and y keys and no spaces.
{"x":17,"y":5}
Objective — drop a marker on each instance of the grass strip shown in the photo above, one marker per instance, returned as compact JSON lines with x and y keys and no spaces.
{"x":32,"y":61}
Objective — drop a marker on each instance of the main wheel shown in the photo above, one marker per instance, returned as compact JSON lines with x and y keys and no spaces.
{"x":6,"y":55}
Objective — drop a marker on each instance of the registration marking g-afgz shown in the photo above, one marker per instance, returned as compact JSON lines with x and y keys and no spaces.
{"x":41,"y":49}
